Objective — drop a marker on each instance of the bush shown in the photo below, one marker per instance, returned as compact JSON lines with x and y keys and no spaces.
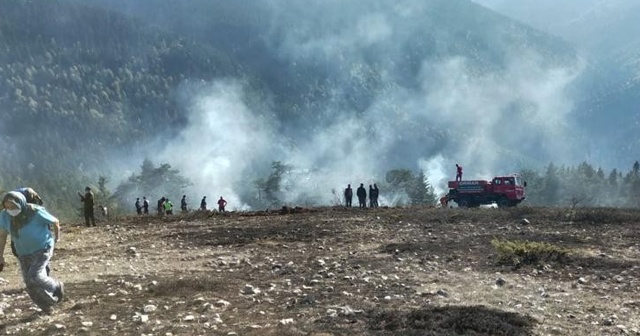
{"x":522,"y":252}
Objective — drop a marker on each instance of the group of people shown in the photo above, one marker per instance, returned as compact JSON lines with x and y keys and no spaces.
{"x":142,"y":208}
{"x":34,"y":233}
{"x":222,"y":204}
{"x":361,"y":193}
{"x":165,"y":206}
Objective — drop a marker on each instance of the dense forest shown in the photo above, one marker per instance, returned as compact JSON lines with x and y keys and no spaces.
{"x":99,"y":92}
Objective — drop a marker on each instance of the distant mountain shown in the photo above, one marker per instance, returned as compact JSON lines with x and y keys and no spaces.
{"x":606,"y":34}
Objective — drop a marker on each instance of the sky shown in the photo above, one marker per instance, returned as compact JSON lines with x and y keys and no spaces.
{"x":228,"y":143}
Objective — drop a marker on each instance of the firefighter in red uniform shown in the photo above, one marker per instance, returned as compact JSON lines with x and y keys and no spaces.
{"x":458,"y":172}
{"x":444,"y":201}
{"x":221,"y":204}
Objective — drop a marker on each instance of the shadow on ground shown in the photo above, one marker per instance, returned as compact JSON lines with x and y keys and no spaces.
{"x":450,"y":320}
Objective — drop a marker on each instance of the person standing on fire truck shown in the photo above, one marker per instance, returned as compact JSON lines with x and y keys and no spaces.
{"x":458,"y":172}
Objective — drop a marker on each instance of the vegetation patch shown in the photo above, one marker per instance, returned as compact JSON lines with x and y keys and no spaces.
{"x":603,"y":216}
{"x":450,"y":320}
{"x":523,"y":252}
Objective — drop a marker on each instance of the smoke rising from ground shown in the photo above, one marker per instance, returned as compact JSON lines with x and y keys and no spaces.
{"x":445,"y":112}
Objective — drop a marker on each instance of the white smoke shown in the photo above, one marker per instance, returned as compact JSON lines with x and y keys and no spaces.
{"x":223,"y":138}
{"x":489,"y":119}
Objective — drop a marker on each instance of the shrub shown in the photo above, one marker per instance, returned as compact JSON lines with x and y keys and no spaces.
{"x":522,"y":252}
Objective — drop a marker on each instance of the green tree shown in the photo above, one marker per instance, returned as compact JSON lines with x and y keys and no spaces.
{"x":412,"y":188}
{"x":420,"y":191}
{"x":270,"y":189}
{"x":152,"y":181}
{"x":549,"y":192}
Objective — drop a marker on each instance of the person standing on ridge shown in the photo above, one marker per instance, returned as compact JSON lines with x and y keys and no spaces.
{"x":138,"y":206}
{"x":183,"y":204}
{"x":458,"y":172}
{"x":376,"y":193}
{"x":168,"y":207}
{"x":203,"y":203}
{"x":362,"y":196}
{"x":371,"y":196}
{"x":221,"y":204}
{"x":34,"y":232}
{"x":161,"y":206}
{"x":145,"y":205}
{"x":348,"y":196}
{"x":88,"y":200}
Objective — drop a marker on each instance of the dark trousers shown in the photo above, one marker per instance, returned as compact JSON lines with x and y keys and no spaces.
{"x":347,"y":201}
{"x":363,"y":202}
{"x":89,"y":217}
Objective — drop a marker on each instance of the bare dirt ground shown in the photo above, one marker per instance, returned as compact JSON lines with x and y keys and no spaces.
{"x":333,"y":271}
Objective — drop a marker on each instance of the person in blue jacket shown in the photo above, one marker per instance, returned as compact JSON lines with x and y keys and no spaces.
{"x":34,"y":232}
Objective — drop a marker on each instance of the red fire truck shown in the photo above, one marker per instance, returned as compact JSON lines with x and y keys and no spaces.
{"x":505,"y":191}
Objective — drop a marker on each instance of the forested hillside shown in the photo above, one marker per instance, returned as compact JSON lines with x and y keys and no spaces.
{"x":223,"y":90}
{"x":78,"y":82}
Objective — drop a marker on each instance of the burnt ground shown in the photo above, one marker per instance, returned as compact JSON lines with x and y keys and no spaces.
{"x":333,"y":271}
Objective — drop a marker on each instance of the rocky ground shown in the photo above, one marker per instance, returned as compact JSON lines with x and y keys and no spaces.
{"x":332,"y":271}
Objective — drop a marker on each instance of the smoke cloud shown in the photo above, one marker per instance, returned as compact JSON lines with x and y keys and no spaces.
{"x":491,"y":121}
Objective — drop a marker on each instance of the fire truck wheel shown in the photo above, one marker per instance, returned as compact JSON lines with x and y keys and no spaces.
{"x":503,"y":202}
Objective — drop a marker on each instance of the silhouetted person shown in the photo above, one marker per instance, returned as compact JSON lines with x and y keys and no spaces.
{"x":88,"y":200}
{"x":371,"y":196}
{"x":458,"y":172}
{"x":183,"y":203}
{"x":203,"y":203}
{"x":138,"y":206}
{"x":145,"y":205}
{"x":375,"y":193}
{"x":161,"y":206}
{"x":362,"y":196}
{"x":348,"y":196}
{"x":221,"y":204}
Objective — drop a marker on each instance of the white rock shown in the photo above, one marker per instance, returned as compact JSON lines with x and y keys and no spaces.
{"x":87,"y":323}
{"x":215,"y":319}
{"x":113,"y":317}
{"x":149,"y":308}
{"x":286,"y":321}
{"x":222,"y":303}
{"x":189,"y":318}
